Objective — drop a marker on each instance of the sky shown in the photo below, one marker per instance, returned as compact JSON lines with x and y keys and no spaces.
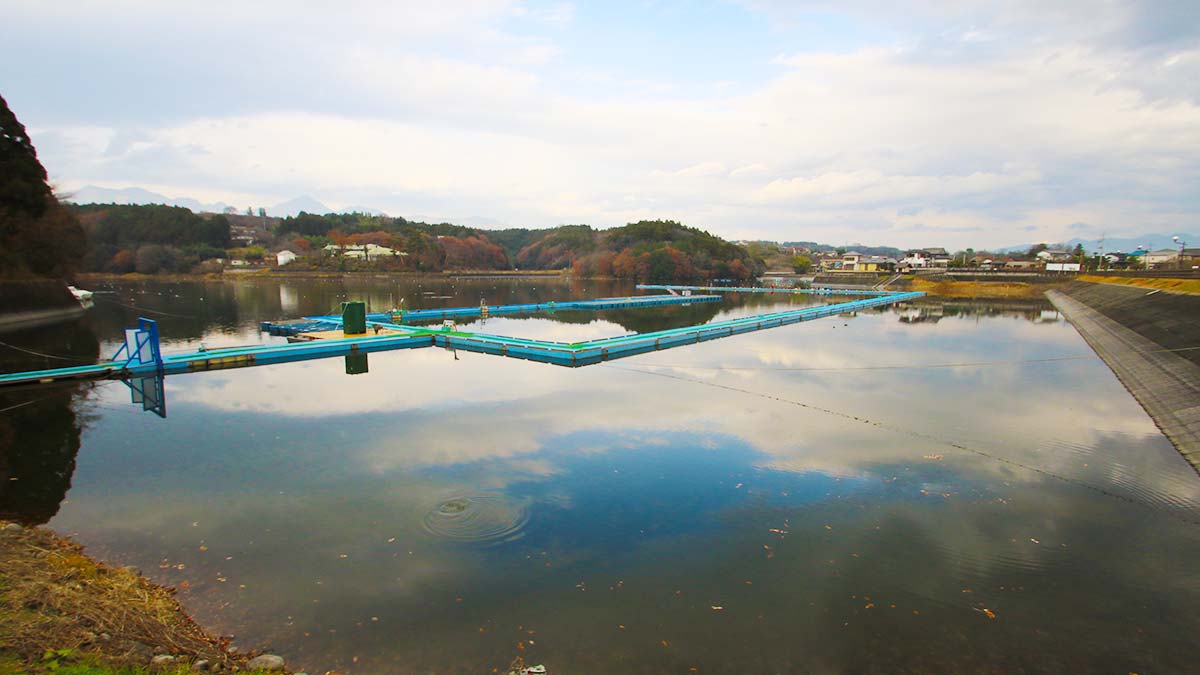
{"x":955,"y":124}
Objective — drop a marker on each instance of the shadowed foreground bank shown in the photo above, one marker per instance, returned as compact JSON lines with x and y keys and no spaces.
{"x":60,"y":608}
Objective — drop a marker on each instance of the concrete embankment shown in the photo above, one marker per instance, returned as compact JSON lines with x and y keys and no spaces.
{"x":1151,"y":341}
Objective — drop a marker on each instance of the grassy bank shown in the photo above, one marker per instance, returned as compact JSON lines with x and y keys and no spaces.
{"x":1175,"y":285}
{"x":979,"y":289}
{"x":62,"y":612}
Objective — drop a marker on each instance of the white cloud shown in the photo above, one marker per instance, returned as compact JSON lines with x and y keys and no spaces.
{"x":487,"y":109}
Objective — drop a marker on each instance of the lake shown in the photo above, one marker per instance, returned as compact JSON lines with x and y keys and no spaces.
{"x":948,"y":486}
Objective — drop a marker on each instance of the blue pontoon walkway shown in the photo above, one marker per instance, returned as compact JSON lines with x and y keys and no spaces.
{"x":311,"y":323}
{"x":769,"y":289}
{"x":142,"y":359}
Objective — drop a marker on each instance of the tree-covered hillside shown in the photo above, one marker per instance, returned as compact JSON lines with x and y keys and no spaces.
{"x":155,"y":238}
{"x":38,"y":237}
{"x":150,"y":239}
{"x":648,"y":250}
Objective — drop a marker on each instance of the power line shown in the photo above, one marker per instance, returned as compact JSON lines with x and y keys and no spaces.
{"x":921,"y":366}
{"x":49,"y":356}
{"x":913,"y":434}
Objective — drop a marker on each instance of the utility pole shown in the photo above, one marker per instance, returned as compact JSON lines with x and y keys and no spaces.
{"x":1102,"y":260}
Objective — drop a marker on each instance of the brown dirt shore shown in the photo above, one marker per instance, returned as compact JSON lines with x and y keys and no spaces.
{"x":55,"y":600}
{"x":980,"y":289}
{"x":1190,"y":286}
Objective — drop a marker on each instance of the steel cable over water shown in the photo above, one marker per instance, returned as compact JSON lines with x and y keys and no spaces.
{"x":920,"y":435}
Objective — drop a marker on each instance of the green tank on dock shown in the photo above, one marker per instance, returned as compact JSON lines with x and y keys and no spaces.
{"x":354,"y":318}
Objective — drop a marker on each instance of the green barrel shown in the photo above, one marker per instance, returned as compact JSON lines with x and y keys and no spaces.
{"x":356,"y":364}
{"x":354,"y":318}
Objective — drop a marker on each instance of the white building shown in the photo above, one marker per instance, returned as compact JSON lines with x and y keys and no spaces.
{"x":284,"y":257}
{"x":926,"y":257}
{"x":859,"y":262}
{"x":1053,"y":255}
{"x":1162,"y":256}
{"x":364,"y":251}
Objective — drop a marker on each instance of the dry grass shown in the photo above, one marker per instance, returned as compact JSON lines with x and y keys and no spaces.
{"x":52,"y":597}
{"x":1191,"y":286}
{"x":979,"y":289}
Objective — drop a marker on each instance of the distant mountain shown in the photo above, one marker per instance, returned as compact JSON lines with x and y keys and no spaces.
{"x":91,"y":194}
{"x":294,"y":206}
{"x":1149,"y":242}
{"x":889,"y":251}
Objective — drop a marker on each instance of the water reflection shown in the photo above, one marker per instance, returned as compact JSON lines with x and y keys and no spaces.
{"x":835,"y":496}
{"x":40,"y":428}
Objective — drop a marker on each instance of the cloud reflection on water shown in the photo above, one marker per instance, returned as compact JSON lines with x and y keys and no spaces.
{"x":671,"y":487}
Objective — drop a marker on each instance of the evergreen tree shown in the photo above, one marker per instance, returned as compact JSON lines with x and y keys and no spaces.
{"x":23,"y":187}
{"x":37,"y":236}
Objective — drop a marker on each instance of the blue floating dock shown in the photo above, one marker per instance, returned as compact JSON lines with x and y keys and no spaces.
{"x":318,"y":323}
{"x":770,"y":289}
{"x":143,"y":359}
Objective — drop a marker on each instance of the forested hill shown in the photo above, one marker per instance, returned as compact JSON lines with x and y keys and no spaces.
{"x":649,"y":250}
{"x":151,"y":239}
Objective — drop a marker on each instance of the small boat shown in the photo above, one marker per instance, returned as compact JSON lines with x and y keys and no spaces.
{"x":83,"y":297}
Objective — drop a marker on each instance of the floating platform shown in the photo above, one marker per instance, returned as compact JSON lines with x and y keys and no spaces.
{"x":142,"y":358}
{"x":770,"y":289}
{"x":320,"y":323}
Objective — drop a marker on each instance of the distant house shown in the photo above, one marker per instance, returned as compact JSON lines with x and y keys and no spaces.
{"x":284,"y":257}
{"x":860,"y":262}
{"x":364,"y":251}
{"x":1163,"y":257}
{"x":921,"y":258}
{"x":1024,"y":265}
{"x":1055,"y":255}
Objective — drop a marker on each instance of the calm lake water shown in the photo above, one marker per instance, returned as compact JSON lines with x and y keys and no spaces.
{"x":943,"y":487}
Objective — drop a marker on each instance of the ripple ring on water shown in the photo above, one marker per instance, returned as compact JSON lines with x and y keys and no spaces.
{"x":480,"y":518}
